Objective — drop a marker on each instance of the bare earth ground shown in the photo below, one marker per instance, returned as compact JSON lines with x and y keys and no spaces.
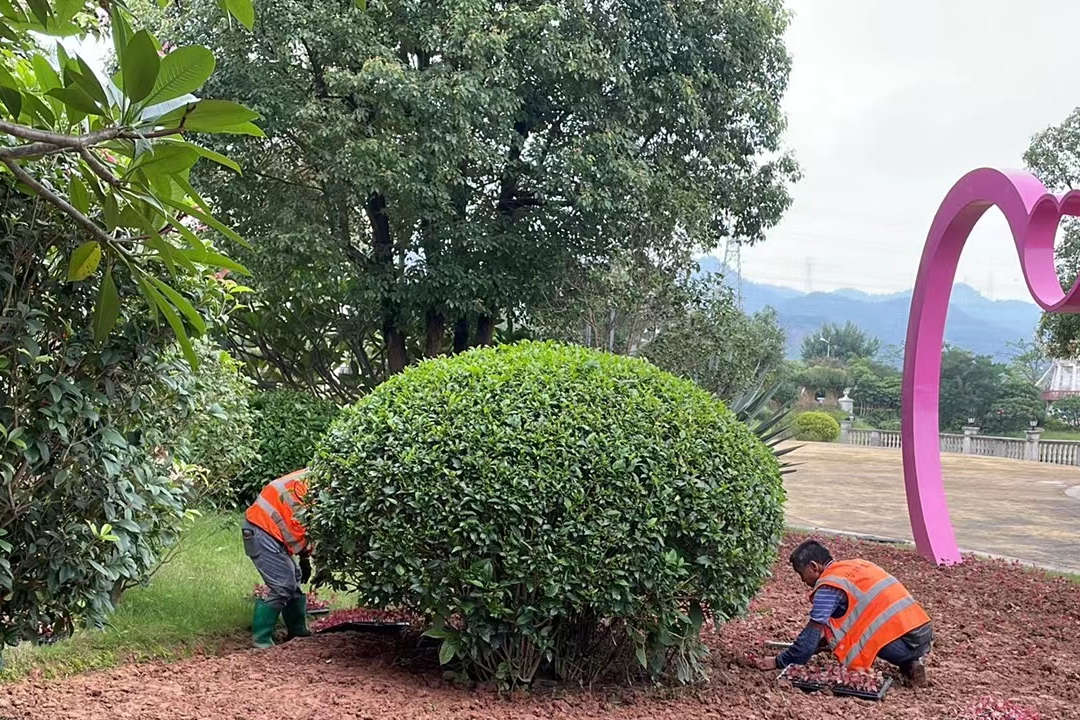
{"x":1000,"y":631}
{"x":1005,"y":507}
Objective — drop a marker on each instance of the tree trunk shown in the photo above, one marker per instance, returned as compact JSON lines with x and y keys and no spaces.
{"x":436,"y":330}
{"x":611,"y":332}
{"x":485,"y":330}
{"x":461,"y":334}
{"x":396,"y":357}
{"x":117,"y":592}
{"x":383,"y":255}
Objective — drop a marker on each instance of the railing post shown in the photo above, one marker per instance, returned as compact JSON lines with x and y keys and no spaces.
{"x":1031,"y":450}
{"x":845,"y":431}
{"x":970,"y":431}
{"x":875,"y":438}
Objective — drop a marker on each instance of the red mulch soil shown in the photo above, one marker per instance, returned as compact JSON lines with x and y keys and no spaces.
{"x":1001,"y":632}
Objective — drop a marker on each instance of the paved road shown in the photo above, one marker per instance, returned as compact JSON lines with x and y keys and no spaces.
{"x":1025,"y":510}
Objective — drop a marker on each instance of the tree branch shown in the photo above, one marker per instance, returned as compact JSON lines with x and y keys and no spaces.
{"x":43,"y":142}
{"x":59,"y":202}
{"x":99,"y":168}
{"x":58,"y":139}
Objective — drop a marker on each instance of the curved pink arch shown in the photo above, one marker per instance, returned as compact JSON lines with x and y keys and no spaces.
{"x":1033,"y":216}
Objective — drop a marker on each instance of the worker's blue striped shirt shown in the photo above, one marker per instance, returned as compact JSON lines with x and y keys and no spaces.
{"x":828,"y":602}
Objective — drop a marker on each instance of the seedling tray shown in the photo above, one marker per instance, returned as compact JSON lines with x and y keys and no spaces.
{"x":320,"y":611}
{"x":840,"y":689}
{"x":368,"y":627}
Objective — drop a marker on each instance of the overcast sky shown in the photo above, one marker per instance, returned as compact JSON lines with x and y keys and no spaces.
{"x":889,"y":104}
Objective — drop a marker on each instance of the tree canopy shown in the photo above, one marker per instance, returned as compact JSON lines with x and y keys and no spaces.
{"x":840,"y":343}
{"x":437,"y":169}
{"x":1054,"y":157}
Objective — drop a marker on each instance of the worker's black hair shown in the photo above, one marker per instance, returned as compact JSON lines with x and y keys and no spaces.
{"x":808,"y":552}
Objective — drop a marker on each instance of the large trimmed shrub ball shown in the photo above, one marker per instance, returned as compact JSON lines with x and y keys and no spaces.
{"x":816,"y":427}
{"x":548,"y":508}
{"x":288,"y":424}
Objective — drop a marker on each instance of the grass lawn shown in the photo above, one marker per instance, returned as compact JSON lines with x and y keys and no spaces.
{"x":199,"y":601}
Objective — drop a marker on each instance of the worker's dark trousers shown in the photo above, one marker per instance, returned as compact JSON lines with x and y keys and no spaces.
{"x":911,"y":646}
{"x":274,"y":563}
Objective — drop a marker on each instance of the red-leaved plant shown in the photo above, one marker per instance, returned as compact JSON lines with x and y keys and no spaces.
{"x":989,"y":708}
{"x":837,"y":676}
{"x":363,"y":615}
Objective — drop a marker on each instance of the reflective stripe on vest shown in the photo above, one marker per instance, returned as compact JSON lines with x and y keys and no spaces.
{"x":287,"y":537}
{"x":864,"y":598}
{"x":896,"y":607}
{"x":282,"y":487}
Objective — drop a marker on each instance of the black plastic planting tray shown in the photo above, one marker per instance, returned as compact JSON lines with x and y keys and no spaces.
{"x":840,"y":689}
{"x":369,"y":627}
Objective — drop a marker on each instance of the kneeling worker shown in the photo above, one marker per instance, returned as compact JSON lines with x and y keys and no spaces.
{"x":272,"y":536}
{"x":860,"y":612}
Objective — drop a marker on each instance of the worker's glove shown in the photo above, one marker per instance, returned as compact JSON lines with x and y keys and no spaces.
{"x":305,"y":568}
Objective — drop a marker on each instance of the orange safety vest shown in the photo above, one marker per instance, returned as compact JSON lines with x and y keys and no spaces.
{"x":275,"y":511}
{"x":879,"y":610}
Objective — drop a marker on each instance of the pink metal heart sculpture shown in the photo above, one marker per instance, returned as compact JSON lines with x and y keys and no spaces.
{"x":1033,"y":216}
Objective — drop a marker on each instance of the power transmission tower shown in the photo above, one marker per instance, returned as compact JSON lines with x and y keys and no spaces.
{"x":738,"y":271}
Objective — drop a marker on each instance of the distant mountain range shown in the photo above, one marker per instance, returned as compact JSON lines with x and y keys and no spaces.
{"x":975,"y":322}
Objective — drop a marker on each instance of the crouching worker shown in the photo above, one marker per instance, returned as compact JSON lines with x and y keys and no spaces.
{"x":860,"y":612}
{"x":272,"y":536}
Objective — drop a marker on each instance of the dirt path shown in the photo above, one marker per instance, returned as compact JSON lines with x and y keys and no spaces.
{"x":1000,"y":631}
{"x":1005,"y":507}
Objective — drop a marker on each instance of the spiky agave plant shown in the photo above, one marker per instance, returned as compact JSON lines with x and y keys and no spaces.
{"x":771,"y":428}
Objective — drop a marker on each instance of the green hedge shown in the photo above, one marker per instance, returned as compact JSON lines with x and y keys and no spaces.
{"x":816,"y":426}
{"x":548,"y":507}
{"x":288,"y":424}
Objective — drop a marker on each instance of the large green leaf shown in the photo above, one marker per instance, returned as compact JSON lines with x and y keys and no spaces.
{"x":84,"y":261}
{"x":185,"y":185}
{"x":209,"y":220}
{"x":121,"y":32}
{"x":11,"y":12}
{"x":65,"y":10}
{"x":76,"y":98}
{"x":182,"y":303}
{"x":242,"y":10}
{"x":36,"y":106}
{"x":41,"y":11}
{"x":165,"y":159}
{"x":12,"y":100}
{"x":210,"y":116}
{"x":243,"y":129}
{"x":182,"y":71}
{"x":167,"y":253}
{"x":448,"y":650}
{"x":209,"y":258}
{"x":140,"y":66}
{"x":89,"y":82}
{"x":157,"y":300}
{"x":45,"y":72}
{"x":108,"y":308}
{"x":216,"y":157}
{"x":78,"y":195}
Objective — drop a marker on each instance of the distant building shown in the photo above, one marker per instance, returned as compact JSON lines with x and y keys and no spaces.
{"x":1061,"y":379}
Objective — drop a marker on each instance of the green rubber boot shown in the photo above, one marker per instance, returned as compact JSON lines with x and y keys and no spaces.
{"x":262,"y":625}
{"x":295,"y":614}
